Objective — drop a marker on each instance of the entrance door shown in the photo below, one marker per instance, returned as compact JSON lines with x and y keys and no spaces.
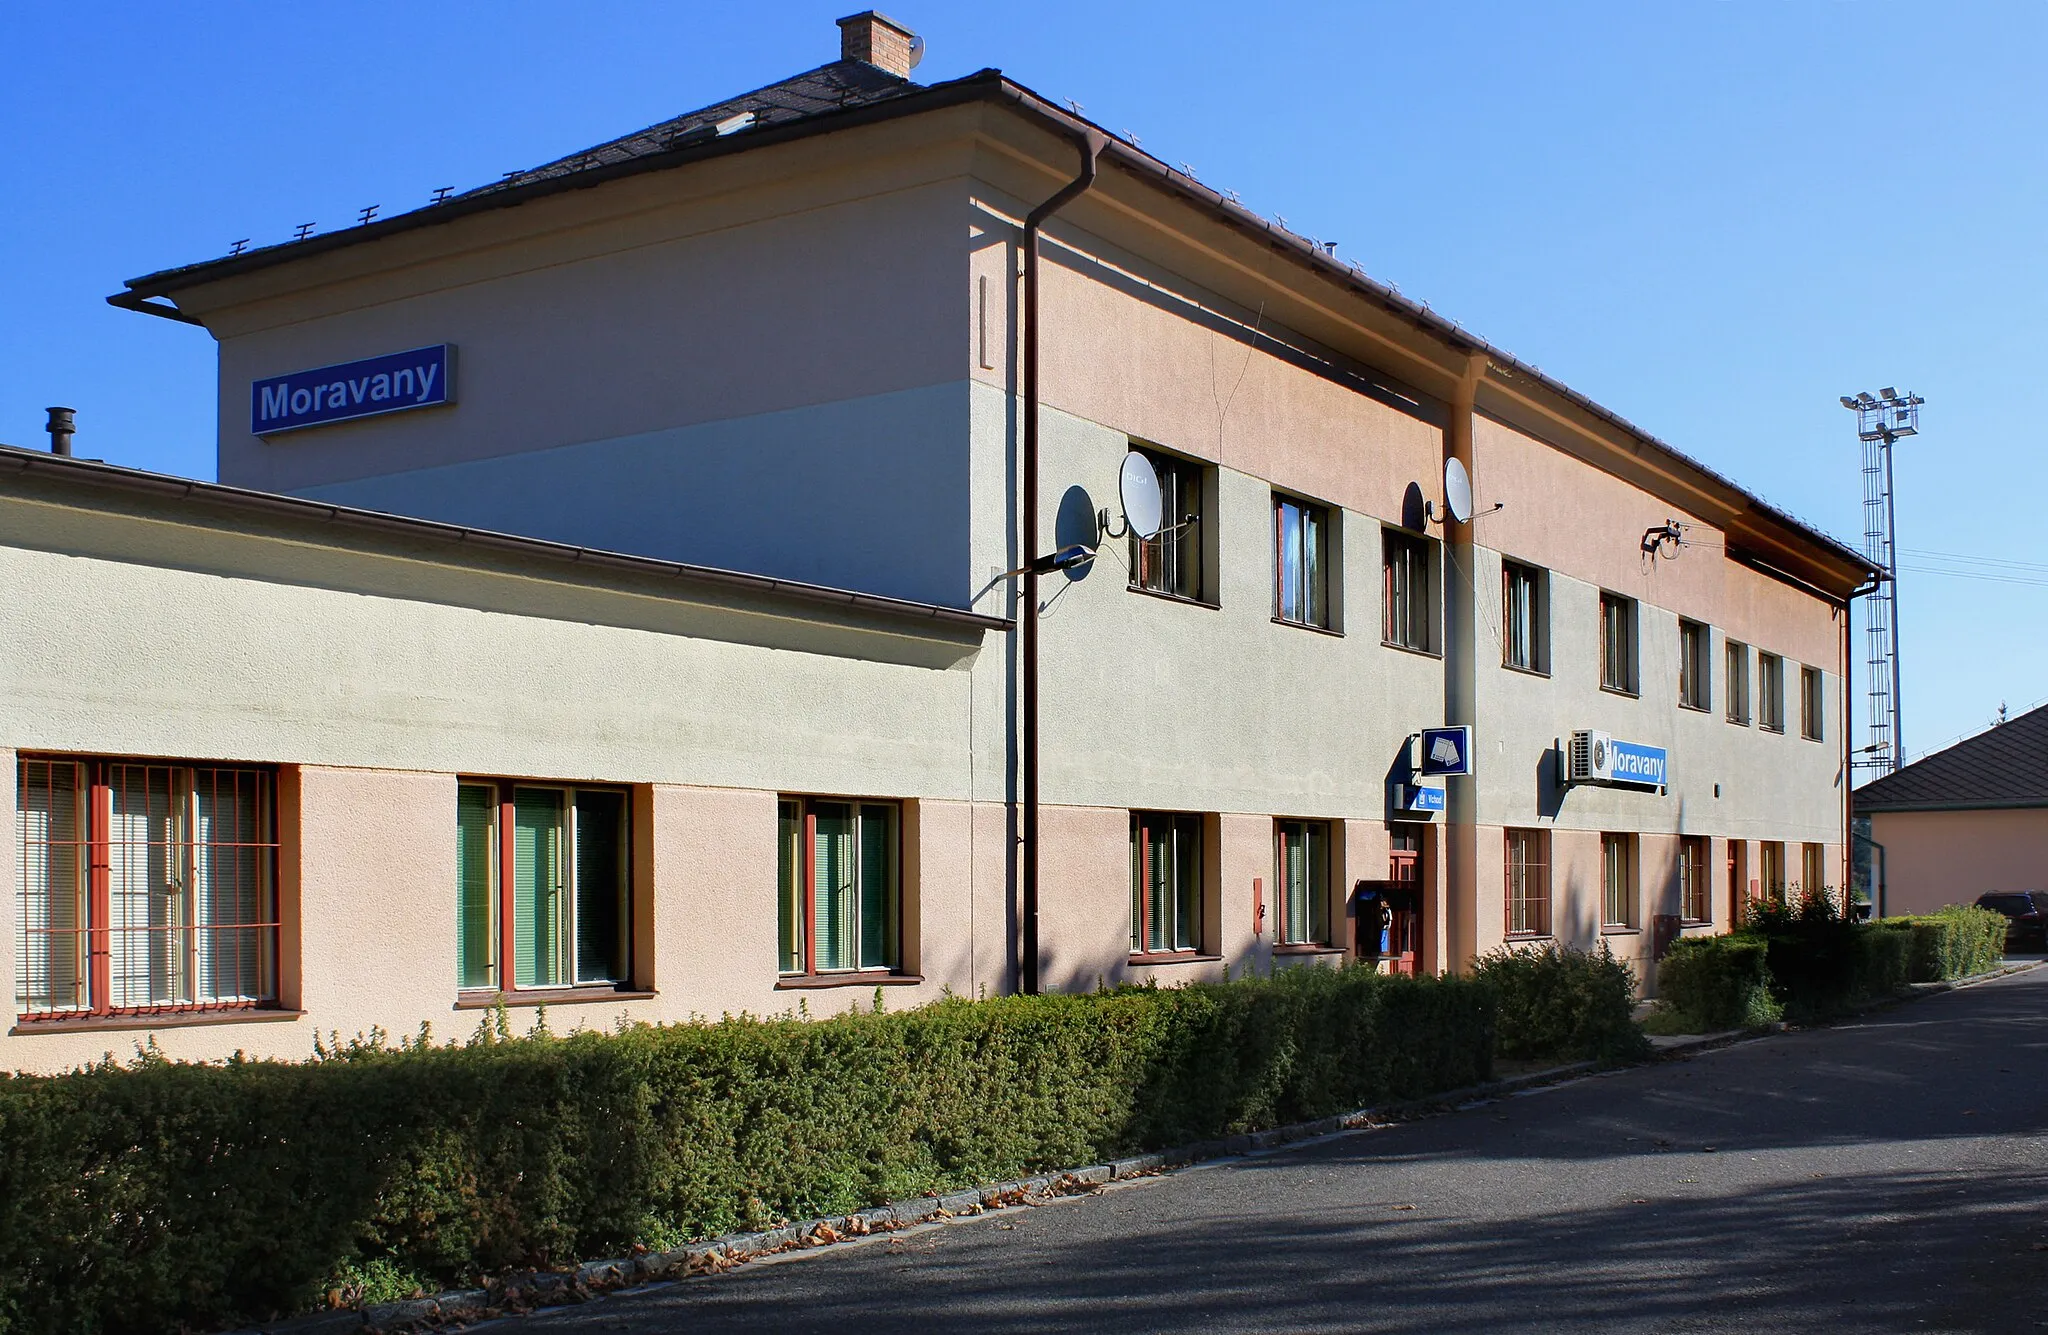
{"x":1404,"y":902}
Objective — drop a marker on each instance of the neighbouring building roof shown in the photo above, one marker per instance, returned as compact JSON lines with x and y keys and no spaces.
{"x":850,"y":92}
{"x":2005,"y":766}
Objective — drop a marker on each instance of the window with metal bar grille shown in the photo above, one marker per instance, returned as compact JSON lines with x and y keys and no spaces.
{"x":145,"y":887}
{"x":1526,"y":862}
{"x":1694,"y":885}
{"x":1618,"y":880}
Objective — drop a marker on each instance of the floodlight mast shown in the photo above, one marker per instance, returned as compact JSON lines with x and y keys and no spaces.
{"x":1880,"y":423}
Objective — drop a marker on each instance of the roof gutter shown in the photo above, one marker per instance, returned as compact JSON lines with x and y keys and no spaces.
{"x":15,"y":461}
{"x":1090,"y":141}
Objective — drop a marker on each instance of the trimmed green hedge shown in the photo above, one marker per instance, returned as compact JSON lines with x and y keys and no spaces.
{"x":1563,"y":1003}
{"x":158,"y":1196}
{"x":1954,"y":942}
{"x":1823,"y":964}
{"x":1717,"y":982}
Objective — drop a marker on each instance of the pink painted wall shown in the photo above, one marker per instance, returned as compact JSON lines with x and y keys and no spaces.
{"x":1933,"y":858}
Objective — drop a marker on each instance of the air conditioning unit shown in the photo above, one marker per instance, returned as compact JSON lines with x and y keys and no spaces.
{"x":1590,"y":757}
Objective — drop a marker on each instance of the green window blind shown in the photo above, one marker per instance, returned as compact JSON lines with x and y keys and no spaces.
{"x":790,"y":878}
{"x":476,"y":856}
{"x":832,"y":856}
{"x":877,"y":904}
{"x":601,"y":864}
{"x":537,"y":887}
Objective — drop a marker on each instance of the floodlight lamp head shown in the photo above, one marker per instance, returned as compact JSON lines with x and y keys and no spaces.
{"x":1848,"y":402}
{"x":1888,"y":392}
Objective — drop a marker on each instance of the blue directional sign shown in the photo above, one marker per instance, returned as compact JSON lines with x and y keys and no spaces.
{"x":1419,"y":799}
{"x":1636,"y":763}
{"x":1446,"y":751}
{"x":392,"y":383}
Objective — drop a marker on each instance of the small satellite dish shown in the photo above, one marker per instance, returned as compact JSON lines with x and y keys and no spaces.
{"x":1138,"y":488}
{"x":1457,"y":491}
{"x":916,"y":50}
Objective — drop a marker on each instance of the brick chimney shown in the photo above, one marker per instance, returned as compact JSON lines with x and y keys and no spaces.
{"x":881,"y":42}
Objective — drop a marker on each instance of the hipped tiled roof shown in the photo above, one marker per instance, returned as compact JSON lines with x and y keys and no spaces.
{"x":2005,"y":766}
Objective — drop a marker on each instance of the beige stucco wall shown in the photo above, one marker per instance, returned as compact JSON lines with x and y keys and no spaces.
{"x":1933,"y":858}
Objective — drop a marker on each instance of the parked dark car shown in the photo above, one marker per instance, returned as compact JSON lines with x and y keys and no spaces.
{"x":2026,"y":917}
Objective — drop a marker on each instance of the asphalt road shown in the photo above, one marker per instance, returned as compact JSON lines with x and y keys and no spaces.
{"x":1885,"y":1175}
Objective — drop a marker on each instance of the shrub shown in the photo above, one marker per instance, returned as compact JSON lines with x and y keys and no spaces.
{"x":1561,"y":1003}
{"x":1954,"y":942}
{"x":157,"y":1196}
{"x":1823,"y":964}
{"x":1712,"y":983}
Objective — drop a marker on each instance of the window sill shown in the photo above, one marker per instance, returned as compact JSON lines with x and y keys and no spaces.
{"x":1410,"y":649}
{"x":1695,"y":709}
{"x":868,"y":978}
{"x":548,"y":996}
{"x":1809,"y":737}
{"x":1620,"y":929}
{"x":1307,"y":948}
{"x":1526,"y":937}
{"x":1171,"y":957}
{"x":1684,"y":923}
{"x":1309,"y":626}
{"x":83,"y":1024}
{"x":1622,"y":691}
{"x":1738,"y":723}
{"x":1544,"y":673}
{"x":1181,"y":598}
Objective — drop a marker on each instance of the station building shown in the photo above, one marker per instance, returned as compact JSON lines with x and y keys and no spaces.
{"x":608,"y":602}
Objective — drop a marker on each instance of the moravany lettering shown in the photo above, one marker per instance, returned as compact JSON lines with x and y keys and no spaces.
{"x":394,"y":382}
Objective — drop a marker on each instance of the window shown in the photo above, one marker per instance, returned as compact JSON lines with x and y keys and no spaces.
{"x":1618,"y":880}
{"x":1617,"y":643}
{"x":1408,"y":614}
{"x":1525,"y":617}
{"x":1166,"y":883}
{"x":145,"y":886}
{"x":841,"y":898}
{"x":1738,"y":683}
{"x":1301,"y":563}
{"x":1812,"y":703}
{"x":1770,"y":692}
{"x":563,"y":916}
{"x":1813,"y":868}
{"x":1695,"y":665}
{"x":1693,"y":883}
{"x":1527,"y":860}
{"x":1771,"y":866}
{"x":1171,"y":561}
{"x":1302,"y":871}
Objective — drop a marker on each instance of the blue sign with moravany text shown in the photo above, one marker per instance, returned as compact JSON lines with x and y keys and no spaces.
{"x":1636,"y":763}
{"x":391,"y":383}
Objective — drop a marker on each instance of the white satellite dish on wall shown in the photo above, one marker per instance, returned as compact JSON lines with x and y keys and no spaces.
{"x":1137,"y":488}
{"x":1457,"y":491}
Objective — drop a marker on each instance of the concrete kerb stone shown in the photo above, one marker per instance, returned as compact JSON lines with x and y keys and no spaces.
{"x":530,"y":1291}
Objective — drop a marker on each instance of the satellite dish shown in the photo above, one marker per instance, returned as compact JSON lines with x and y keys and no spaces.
{"x":1457,"y":491}
{"x":916,"y":50}
{"x":1137,"y":487}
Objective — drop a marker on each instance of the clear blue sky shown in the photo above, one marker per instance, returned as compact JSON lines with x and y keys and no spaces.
{"x":1713,"y":218}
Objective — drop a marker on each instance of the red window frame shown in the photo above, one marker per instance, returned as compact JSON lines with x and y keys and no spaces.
{"x":1695,"y":893}
{"x":97,"y":932}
